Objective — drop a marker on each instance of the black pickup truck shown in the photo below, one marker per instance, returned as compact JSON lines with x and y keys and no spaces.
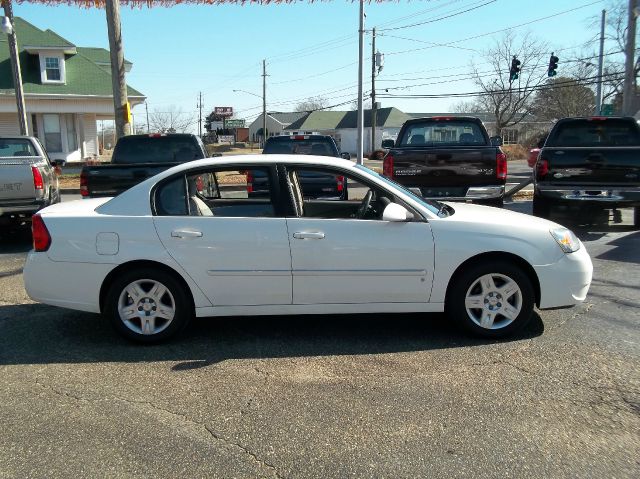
{"x":593,"y":163}
{"x":136,"y":158}
{"x":448,"y":158}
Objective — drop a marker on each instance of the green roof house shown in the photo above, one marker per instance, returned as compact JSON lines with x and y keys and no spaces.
{"x":67,"y":89}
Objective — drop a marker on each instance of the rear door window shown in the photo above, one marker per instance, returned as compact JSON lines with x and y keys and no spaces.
{"x":156,"y":149}
{"x":444,"y":133}
{"x":16,"y":147}
{"x":586,"y":132}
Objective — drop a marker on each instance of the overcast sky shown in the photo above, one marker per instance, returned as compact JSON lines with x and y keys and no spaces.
{"x":312,"y":48}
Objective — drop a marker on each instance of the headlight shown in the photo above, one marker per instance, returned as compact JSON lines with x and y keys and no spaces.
{"x":565,"y":239}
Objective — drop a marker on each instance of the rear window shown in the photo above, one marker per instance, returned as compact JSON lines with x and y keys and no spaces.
{"x":444,"y":133}
{"x":16,"y":147}
{"x":586,"y":132}
{"x":161,"y":149}
{"x":308,"y":146}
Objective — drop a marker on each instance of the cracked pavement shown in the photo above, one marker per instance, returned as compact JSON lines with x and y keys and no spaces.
{"x":317,"y":397}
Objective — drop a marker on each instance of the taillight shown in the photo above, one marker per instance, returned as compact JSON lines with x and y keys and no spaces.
{"x":38,"y":184}
{"x":501,"y":166}
{"x":340,"y":182}
{"x":542,"y":167}
{"x":41,"y":236}
{"x":84,"y":189}
{"x":249,"y":181}
{"x":387,"y":166}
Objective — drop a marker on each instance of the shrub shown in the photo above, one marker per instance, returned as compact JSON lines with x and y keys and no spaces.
{"x":515,"y":152}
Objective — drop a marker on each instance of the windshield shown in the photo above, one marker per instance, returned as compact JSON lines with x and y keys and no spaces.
{"x":432,"y":205}
{"x":156,"y":149}
{"x":595,"y":133}
{"x":307,"y":146}
{"x":16,"y":147}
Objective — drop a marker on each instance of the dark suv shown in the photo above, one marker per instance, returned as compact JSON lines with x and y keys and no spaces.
{"x":314,"y":185}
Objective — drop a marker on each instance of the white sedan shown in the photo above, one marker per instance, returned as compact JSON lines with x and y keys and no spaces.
{"x":250,"y":235}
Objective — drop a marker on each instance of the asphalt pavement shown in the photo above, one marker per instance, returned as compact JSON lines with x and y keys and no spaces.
{"x":394,"y":395}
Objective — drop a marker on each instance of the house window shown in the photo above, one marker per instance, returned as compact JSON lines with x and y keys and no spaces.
{"x":52,"y":68}
{"x":72,"y":143}
{"x":52,"y":133}
{"x":509,"y":136}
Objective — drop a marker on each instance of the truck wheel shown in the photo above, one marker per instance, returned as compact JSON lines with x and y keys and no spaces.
{"x":147,"y":305}
{"x":636,"y":217}
{"x":492,"y":299}
{"x":541,"y":207}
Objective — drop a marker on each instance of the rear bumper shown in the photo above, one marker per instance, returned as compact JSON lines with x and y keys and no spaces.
{"x":21,"y":209}
{"x":602,"y":194}
{"x":566,"y":282}
{"x":463,"y":194}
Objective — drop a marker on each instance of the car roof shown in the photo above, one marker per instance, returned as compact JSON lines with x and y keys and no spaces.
{"x":264,"y":160}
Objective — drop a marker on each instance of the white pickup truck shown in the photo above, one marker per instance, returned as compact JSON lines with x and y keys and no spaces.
{"x":28,"y":181}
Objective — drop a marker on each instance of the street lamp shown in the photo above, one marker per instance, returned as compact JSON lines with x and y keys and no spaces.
{"x":7,"y":28}
{"x":264,"y":111}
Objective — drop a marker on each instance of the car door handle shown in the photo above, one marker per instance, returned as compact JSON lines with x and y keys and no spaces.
{"x":307,"y":235}
{"x":186,"y":234}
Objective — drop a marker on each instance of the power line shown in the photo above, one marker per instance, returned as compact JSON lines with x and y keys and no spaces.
{"x":438,"y":19}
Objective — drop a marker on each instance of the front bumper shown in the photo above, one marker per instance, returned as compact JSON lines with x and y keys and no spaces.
{"x":566,"y":282}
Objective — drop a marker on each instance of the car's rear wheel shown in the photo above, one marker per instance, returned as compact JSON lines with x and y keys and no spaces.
{"x":636,"y":216}
{"x":491,"y":299}
{"x":541,"y":207}
{"x":147,"y":305}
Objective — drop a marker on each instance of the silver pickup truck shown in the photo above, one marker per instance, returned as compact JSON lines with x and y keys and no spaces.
{"x":28,"y":181}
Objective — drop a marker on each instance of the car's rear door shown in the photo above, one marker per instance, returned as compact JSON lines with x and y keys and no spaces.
{"x":233,"y":246}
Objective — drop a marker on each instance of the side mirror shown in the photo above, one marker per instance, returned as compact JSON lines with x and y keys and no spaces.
{"x":397,"y":213}
{"x":386,"y":144}
{"x":496,"y":141}
{"x":58,"y":163}
{"x":345,"y":155}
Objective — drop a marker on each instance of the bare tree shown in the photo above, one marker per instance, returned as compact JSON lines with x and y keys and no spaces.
{"x":563,"y":97}
{"x":311,"y":104}
{"x":174,"y":120}
{"x":510,"y":101}
{"x":465,"y":106}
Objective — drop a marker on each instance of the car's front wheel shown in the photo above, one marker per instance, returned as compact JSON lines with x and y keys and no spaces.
{"x":491,"y":299}
{"x":147,"y":305}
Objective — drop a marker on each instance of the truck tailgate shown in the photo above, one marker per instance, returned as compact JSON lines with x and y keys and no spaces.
{"x":16,"y":179}
{"x":585,"y":165}
{"x":446,"y":167}
{"x":111,"y":180}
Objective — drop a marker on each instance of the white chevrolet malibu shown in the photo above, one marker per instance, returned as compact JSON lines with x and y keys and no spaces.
{"x":281,"y":234}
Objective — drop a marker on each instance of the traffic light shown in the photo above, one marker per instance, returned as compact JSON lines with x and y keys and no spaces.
{"x":515,"y":69}
{"x":553,"y":65}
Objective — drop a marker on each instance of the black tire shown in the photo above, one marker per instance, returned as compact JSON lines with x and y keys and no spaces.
{"x":151,"y":305}
{"x":636,"y":216}
{"x":510,"y":311}
{"x":496,"y":203}
{"x":541,"y":207}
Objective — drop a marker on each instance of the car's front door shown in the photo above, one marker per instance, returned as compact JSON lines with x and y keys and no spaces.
{"x":233,"y":246}
{"x":345,"y":255}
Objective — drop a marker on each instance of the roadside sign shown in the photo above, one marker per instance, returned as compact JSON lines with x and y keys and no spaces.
{"x":226,"y":139}
{"x":234,"y":123}
{"x":606,"y":109}
{"x":224,"y":111}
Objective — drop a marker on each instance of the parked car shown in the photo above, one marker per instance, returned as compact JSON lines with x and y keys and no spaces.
{"x":28,"y":181}
{"x":177,"y":245}
{"x":314,"y":185}
{"x":448,"y":158}
{"x":534,"y":152}
{"x":136,"y":158}
{"x":593,"y":163}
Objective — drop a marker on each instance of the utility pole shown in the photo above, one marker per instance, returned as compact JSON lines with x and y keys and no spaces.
{"x":629,"y":93}
{"x":264,"y":102}
{"x":200,"y":115}
{"x":15,"y":67}
{"x":600,"y":66}
{"x":120,"y":100}
{"x":146,"y":107}
{"x":360,"y":123}
{"x":374,"y":112}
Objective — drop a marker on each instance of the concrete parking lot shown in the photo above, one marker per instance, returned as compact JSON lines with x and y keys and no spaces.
{"x":327,"y":396}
